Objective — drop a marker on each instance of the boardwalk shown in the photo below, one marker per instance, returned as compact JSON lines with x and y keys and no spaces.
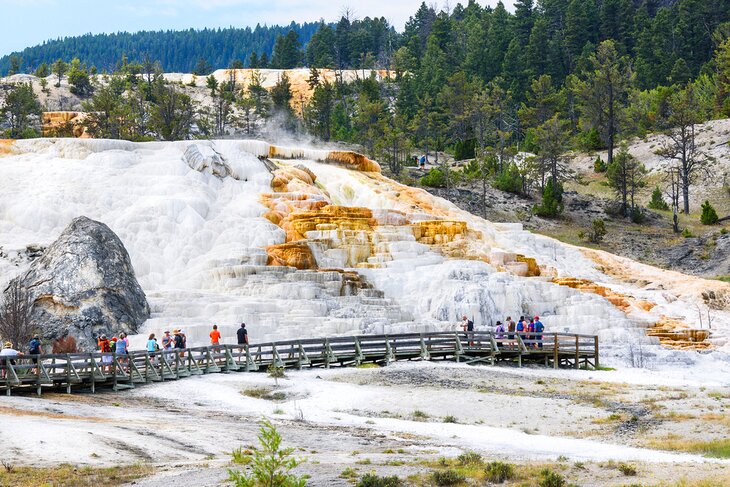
{"x":86,"y":372}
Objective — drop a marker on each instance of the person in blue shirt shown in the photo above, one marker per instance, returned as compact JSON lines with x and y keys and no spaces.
{"x":539,"y":328}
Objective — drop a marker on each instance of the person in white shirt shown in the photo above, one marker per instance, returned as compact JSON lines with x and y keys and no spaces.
{"x":7,"y":352}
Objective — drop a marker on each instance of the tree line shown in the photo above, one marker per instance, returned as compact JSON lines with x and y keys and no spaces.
{"x":482,"y":83}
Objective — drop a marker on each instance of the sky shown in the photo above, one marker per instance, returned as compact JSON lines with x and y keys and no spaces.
{"x":33,"y":21}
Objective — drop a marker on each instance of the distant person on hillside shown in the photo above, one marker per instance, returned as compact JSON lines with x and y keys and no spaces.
{"x":215,"y":336}
{"x":499,"y":333}
{"x":539,"y":329}
{"x":242,"y":334}
{"x":422,"y":163}
{"x":5,"y":354}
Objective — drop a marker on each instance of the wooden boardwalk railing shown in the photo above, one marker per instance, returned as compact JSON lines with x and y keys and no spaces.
{"x":87,"y":371}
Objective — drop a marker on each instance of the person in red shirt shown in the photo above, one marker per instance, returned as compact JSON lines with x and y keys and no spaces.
{"x":215,"y":336}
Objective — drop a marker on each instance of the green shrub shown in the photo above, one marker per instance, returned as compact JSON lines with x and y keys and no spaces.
{"x":509,"y":180}
{"x":552,"y":201}
{"x":687,"y":233}
{"x":709,"y":215}
{"x":450,"y":419}
{"x":372,"y":480}
{"x":626,"y":469}
{"x":637,"y":215}
{"x":599,"y":165}
{"x":548,"y":478}
{"x":590,"y":140}
{"x":596,"y":233}
{"x":270,"y":464}
{"x":498,"y":472}
{"x":447,"y":477}
{"x":657,"y":200}
{"x":434,"y":179}
{"x":469,"y":458}
{"x":464,"y":149}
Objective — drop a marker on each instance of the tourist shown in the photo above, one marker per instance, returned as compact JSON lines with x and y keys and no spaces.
{"x":34,"y":347}
{"x":520,"y":329}
{"x":422,"y":164}
{"x":511,"y":330}
{"x":7,"y":352}
{"x":152,"y":348}
{"x":242,"y":335}
{"x":531,"y":331}
{"x":167,"y":341}
{"x":152,"y":344}
{"x":539,"y":328}
{"x":121,"y":349}
{"x":468,"y":326}
{"x":499,"y":333}
{"x":215,"y":336}
{"x":177,"y":339}
{"x":105,"y":348}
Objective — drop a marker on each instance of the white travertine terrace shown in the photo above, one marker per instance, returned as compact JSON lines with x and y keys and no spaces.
{"x":191,"y":216}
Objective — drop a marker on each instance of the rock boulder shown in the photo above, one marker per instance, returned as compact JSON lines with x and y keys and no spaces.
{"x":84,"y":286}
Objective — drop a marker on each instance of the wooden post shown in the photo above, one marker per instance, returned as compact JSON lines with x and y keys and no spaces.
{"x":68,"y":374}
{"x":595,"y":351}
{"x":556,"y":355}
{"x":577,"y":352}
{"x":38,"y":374}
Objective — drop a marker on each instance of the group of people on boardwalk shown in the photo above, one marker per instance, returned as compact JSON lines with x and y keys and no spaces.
{"x":530,"y":329}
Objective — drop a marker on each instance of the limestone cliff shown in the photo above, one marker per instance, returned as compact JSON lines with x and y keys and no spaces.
{"x":84,"y":285}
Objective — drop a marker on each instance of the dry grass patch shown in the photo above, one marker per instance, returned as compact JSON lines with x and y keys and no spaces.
{"x":70,"y":475}
{"x":713,"y":448}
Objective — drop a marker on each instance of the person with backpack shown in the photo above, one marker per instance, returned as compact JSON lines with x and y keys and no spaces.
{"x":539,"y":329}
{"x":106,"y":349}
{"x":499,"y":333}
{"x":531,"y":332}
{"x":520,"y":329}
{"x":35,"y":347}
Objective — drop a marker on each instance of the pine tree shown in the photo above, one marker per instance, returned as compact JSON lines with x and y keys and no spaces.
{"x":604,"y":93}
{"x":287,"y":52}
{"x":657,"y":200}
{"x":59,"y":68}
{"x":20,"y":108}
{"x":625,"y":175}
{"x":709,"y":215}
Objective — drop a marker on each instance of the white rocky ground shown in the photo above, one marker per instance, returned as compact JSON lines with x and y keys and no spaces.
{"x":195,"y":232}
{"x":393,"y":417}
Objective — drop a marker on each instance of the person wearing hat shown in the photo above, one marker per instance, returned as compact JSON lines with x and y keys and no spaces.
{"x":539,"y":328}
{"x":167,"y":341}
{"x":7,"y":352}
{"x":499,"y":333}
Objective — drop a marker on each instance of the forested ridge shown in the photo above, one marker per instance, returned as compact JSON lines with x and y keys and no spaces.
{"x":177,"y":51}
{"x":479,"y":83}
